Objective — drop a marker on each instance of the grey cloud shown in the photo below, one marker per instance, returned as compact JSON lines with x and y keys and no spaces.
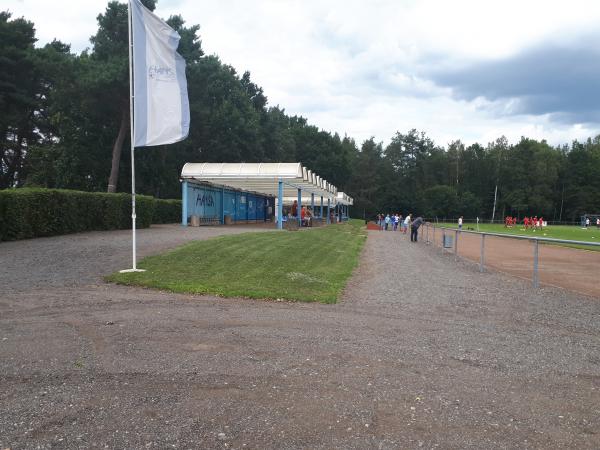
{"x":559,"y":81}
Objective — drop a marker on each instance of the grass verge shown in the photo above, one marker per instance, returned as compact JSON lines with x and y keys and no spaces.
{"x":308,"y":265}
{"x":566,"y":232}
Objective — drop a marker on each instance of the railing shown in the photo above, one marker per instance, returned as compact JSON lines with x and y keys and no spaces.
{"x":501,"y":221}
{"x":535,"y":240}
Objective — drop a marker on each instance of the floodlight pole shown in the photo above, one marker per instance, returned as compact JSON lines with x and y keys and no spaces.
{"x":495,"y":197}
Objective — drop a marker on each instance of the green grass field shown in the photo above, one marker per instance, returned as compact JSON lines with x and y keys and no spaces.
{"x":306,"y":265}
{"x":567,"y":232}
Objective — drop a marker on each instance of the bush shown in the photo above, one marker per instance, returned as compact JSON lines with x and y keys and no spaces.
{"x":27,"y":213}
{"x":166,"y":211}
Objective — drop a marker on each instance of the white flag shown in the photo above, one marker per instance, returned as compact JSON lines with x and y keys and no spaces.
{"x":161,"y":108}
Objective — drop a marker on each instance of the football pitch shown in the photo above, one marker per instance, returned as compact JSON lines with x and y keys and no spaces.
{"x":566,"y":232}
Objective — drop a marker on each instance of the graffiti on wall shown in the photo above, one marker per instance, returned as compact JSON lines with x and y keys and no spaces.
{"x":205,"y":200}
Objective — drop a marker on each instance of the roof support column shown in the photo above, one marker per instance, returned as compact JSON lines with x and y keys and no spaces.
{"x":328,"y":211}
{"x":299,"y":207}
{"x":312,"y":203}
{"x":280,"y":207}
{"x":321,"y":209}
{"x":184,"y":203}
{"x":222,"y":206}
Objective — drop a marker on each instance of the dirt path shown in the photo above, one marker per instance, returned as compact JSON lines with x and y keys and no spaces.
{"x":420,"y":353}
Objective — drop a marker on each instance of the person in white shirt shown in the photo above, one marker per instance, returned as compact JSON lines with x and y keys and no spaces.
{"x":460,"y":220}
{"x":406,"y":223}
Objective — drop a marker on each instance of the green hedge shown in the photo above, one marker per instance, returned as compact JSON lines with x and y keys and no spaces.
{"x":27,"y":213}
{"x":166,"y":211}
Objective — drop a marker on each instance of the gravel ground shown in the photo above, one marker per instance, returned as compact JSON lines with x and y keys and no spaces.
{"x":421,"y":352}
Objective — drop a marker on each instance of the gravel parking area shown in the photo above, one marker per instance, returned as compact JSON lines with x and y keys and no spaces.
{"x":421,"y":352}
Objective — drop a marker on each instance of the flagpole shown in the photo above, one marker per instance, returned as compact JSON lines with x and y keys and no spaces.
{"x":133,"y":216}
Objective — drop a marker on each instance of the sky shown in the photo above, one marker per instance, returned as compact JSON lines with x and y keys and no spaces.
{"x":469,"y":70}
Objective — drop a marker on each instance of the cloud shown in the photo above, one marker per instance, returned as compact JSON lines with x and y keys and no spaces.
{"x":559,"y":81}
{"x":72,"y":22}
{"x":460,"y":69}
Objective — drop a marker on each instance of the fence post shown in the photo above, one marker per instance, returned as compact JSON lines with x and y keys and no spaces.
{"x":536,"y":281}
{"x":456,"y":245}
{"x":443,"y":239}
{"x":482,"y":255}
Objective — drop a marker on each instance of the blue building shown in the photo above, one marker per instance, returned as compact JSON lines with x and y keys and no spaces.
{"x":214,"y":204}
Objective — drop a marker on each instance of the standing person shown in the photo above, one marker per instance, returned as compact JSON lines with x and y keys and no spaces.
{"x":414,"y":228}
{"x":295,"y":209}
{"x":598,"y":223}
{"x":396,"y":218}
{"x":587,"y":222}
{"x":460,"y":221}
{"x":387,"y":221}
{"x":406,"y":223}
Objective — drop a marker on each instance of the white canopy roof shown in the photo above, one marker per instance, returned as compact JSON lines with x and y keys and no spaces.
{"x":341,"y":199}
{"x":306,"y":200}
{"x":344,"y":199}
{"x":262,"y":178}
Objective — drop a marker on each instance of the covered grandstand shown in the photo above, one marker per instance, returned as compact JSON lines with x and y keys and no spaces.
{"x":234,"y":192}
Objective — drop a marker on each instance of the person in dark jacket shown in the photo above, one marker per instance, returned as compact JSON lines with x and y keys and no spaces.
{"x":414,"y":228}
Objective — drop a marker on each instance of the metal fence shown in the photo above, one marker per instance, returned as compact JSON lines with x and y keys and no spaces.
{"x":450,"y":237}
{"x":501,"y":221}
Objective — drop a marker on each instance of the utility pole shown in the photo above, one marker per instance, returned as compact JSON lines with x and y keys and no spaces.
{"x":457,"y":160}
{"x":562,"y":199}
{"x":500,"y":144}
{"x":495,"y":196}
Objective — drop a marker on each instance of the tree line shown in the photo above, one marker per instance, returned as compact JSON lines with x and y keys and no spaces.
{"x":64,"y":123}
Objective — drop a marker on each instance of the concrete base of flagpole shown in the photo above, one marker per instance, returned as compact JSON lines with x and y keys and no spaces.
{"x":131,"y":270}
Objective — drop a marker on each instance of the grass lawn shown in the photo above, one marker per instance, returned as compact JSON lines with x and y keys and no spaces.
{"x":306,"y":265}
{"x":568,"y":232}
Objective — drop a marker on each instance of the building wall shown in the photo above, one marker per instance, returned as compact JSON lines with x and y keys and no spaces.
{"x":212,"y":204}
{"x":204,"y":201}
